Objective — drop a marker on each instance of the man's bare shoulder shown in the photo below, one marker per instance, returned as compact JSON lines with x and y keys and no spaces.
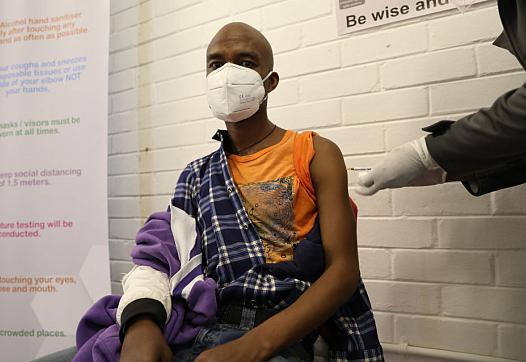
{"x":325,"y":147}
{"x":327,"y":165}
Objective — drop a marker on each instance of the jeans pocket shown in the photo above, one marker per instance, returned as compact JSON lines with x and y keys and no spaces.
{"x":201,"y":336}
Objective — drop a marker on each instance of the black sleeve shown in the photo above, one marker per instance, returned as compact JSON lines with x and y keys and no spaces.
{"x":485,"y":139}
{"x":510,"y":174}
{"x":140,"y":309}
{"x":487,"y":148}
{"x":490,"y":137}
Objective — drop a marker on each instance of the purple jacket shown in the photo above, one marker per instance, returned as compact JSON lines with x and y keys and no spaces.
{"x":98,"y":331}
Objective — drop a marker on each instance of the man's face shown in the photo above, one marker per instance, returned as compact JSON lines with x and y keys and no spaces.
{"x":234,"y":45}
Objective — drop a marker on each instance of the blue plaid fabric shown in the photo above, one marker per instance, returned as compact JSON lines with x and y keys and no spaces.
{"x":233,"y":256}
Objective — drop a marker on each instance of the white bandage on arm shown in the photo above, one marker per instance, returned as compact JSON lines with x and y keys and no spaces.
{"x":145,"y":282}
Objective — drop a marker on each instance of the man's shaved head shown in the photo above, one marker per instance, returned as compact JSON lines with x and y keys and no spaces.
{"x":238,"y":42}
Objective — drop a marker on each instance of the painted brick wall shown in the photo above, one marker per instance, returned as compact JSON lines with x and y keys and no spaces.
{"x":444,"y":270}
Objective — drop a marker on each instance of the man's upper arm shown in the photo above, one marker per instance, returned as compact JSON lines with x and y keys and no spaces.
{"x":147,"y":287}
{"x":337,"y":220}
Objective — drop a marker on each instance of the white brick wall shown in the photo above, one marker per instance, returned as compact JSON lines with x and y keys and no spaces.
{"x":429,"y":68}
{"x":465,"y":29}
{"x":405,"y":297}
{"x":443,"y":266}
{"x":511,"y":341}
{"x":383,"y":106}
{"x":462,"y":335}
{"x":444,"y":270}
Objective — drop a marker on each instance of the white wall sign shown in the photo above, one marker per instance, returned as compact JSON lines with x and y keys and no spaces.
{"x":53,"y":171}
{"x":355,"y":15}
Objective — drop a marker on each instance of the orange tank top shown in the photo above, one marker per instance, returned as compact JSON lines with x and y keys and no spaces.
{"x":274,"y":185}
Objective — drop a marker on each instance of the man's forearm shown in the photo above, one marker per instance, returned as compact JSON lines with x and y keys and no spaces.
{"x":312,"y":309}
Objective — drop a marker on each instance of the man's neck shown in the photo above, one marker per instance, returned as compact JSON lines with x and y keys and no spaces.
{"x":247,"y":132}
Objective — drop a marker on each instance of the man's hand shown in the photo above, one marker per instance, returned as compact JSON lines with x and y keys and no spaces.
{"x":407,"y":165}
{"x":144,"y":342}
{"x":244,"y":349}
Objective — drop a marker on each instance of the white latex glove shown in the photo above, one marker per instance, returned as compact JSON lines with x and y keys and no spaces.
{"x":407,"y":165}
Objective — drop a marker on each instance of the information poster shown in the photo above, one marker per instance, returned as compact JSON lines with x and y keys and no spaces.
{"x":355,"y":15}
{"x":53,"y":171}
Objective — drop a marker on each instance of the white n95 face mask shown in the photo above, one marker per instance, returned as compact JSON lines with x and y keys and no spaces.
{"x":234,"y":92}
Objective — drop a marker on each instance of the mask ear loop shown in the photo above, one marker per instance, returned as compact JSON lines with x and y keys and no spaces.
{"x":266,"y":93}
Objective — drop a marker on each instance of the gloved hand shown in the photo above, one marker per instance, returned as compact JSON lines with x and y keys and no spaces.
{"x":407,"y":165}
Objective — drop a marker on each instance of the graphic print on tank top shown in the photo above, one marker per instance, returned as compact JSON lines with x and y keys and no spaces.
{"x":270,"y":206}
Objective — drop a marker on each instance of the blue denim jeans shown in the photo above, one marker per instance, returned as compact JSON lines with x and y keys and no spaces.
{"x":206,"y":339}
{"x":223,"y":333}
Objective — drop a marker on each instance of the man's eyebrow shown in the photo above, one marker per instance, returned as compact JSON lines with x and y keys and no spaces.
{"x":252,"y":55}
{"x":214,"y":56}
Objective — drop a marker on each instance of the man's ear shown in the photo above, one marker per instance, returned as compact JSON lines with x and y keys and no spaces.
{"x":272,"y":82}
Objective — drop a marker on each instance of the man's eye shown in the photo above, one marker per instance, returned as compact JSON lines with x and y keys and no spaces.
{"x":247,"y":64}
{"x":215,"y":65}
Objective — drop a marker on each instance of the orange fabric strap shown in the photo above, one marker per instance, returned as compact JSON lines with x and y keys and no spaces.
{"x":303,"y":154}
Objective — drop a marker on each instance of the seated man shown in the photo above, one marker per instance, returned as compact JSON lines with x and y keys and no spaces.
{"x":270,"y":213}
